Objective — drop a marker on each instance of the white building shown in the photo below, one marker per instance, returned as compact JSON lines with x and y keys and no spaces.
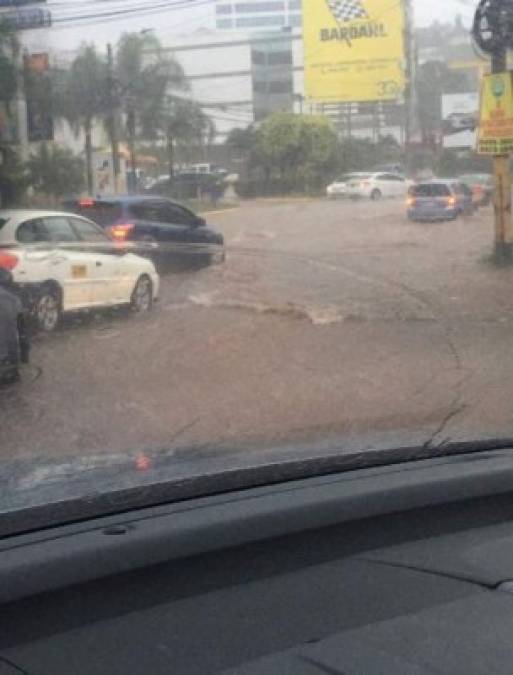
{"x":238,"y":78}
{"x":260,"y":15}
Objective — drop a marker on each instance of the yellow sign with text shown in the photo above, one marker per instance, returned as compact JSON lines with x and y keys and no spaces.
{"x":495,"y":136}
{"x":354,"y":50}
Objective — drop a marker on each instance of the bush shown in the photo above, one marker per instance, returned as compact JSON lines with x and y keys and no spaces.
{"x":13,"y":180}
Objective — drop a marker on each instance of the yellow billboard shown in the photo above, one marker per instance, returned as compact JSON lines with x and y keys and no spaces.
{"x":495,"y":133}
{"x":354,"y":50}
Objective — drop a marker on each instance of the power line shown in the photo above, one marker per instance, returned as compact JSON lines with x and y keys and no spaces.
{"x":135,"y":11}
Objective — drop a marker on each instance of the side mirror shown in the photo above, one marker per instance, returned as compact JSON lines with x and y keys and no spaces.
{"x":5,"y":277}
{"x":200,"y":222}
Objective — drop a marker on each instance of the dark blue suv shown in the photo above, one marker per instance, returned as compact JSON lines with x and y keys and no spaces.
{"x":165,"y":229}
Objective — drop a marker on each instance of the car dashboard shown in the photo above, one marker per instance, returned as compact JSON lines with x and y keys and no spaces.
{"x":403,"y":569}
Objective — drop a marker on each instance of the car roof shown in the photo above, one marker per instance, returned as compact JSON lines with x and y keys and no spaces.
{"x":25,"y":214}
{"x":125,"y":199}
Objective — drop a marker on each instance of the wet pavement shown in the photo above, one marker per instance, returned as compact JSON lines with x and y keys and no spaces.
{"x":327,"y":319}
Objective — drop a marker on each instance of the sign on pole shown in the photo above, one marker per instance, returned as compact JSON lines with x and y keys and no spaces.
{"x":354,"y":50}
{"x":495,"y":135}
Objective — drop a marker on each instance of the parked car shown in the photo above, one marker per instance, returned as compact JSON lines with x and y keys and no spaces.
{"x":376,"y":185}
{"x":14,"y":340}
{"x":439,"y":200}
{"x":176,"y":233}
{"x":67,"y":263}
{"x":482,"y":186}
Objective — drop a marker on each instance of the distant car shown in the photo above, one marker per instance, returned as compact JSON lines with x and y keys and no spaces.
{"x":482,"y":185}
{"x":439,"y":200}
{"x":65,"y":263}
{"x":14,"y":341}
{"x":177,"y":234}
{"x":338,"y":188}
{"x":376,"y":185}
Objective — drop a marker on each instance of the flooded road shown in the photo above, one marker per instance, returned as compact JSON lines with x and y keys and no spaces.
{"x":327,"y":319}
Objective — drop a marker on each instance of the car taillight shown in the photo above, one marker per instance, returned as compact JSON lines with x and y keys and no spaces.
{"x":120,"y":231}
{"x":8,"y":260}
{"x":451,"y":201}
{"x":86,"y":202}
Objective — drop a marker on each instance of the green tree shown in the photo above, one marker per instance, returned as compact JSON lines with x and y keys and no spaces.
{"x":300,"y":151}
{"x":434,"y":79}
{"x":144,"y":76}
{"x":81,"y":97}
{"x":8,"y":79}
{"x":55,"y":171}
{"x":185,"y":126}
{"x":13,"y":179}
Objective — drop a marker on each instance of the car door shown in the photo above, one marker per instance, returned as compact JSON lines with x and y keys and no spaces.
{"x":384,"y":184}
{"x":400,"y":187}
{"x":171,"y":227}
{"x":185,"y":223}
{"x":108,"y":283}
{"x":68,"y":264}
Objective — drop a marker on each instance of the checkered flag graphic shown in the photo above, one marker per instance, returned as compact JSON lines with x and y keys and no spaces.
{"x":347,"y":10}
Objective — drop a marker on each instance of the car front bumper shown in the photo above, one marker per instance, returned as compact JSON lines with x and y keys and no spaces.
{"x":155,"y":282}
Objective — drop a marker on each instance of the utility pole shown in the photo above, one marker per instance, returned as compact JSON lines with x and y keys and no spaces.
{"x":113,"y":119}
{"x":502,"y":193}
{"x":409,"y":75}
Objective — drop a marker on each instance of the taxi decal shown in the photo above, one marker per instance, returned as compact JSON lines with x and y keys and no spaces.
{"x":79,"y":271}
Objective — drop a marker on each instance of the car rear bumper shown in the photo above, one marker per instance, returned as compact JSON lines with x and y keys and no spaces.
{"x":433,"y":215}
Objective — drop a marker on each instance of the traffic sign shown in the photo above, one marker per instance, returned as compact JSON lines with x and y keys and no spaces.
{"x":495,"y":135}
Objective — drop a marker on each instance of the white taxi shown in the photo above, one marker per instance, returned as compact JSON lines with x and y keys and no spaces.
{"x":73,"y":264}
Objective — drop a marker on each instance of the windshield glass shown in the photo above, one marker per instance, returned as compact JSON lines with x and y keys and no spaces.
{"x":195,"y":284}
{"x":430,"y":190}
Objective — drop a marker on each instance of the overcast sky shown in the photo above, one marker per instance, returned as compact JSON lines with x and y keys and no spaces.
{"x":69,"y":31}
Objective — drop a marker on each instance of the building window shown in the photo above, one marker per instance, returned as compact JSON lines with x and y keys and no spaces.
{"x":295,"y":20}
{"x":279,"y":58}
{"x":257,"y":57}
{"x":259,"y":87}
{"x":224,"y":23}
{"x":255,"y":22}
{"x":223,"y":9}
{"x":280,"y":87}
{"x":251,"y":7}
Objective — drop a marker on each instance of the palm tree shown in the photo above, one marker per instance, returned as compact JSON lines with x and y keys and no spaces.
{"x":81,"y":97}
{"x":185,"y":124}
{"x":144,"y":75}
{"x":8,"y":79}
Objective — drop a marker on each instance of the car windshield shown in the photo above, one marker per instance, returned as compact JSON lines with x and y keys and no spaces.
{"x":430,"y":190}
{"x":199,"y":293}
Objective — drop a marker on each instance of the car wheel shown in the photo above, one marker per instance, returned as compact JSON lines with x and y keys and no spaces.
{"x":48,"y":309}
{"x":376,"y":195}
{"x":142,"y":296}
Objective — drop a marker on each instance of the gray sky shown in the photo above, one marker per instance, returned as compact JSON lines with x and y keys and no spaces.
{"x":67,"y":32}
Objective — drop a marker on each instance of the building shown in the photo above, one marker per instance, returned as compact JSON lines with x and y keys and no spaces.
{"x":238,"y":78}
{"x":250,"y":15}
